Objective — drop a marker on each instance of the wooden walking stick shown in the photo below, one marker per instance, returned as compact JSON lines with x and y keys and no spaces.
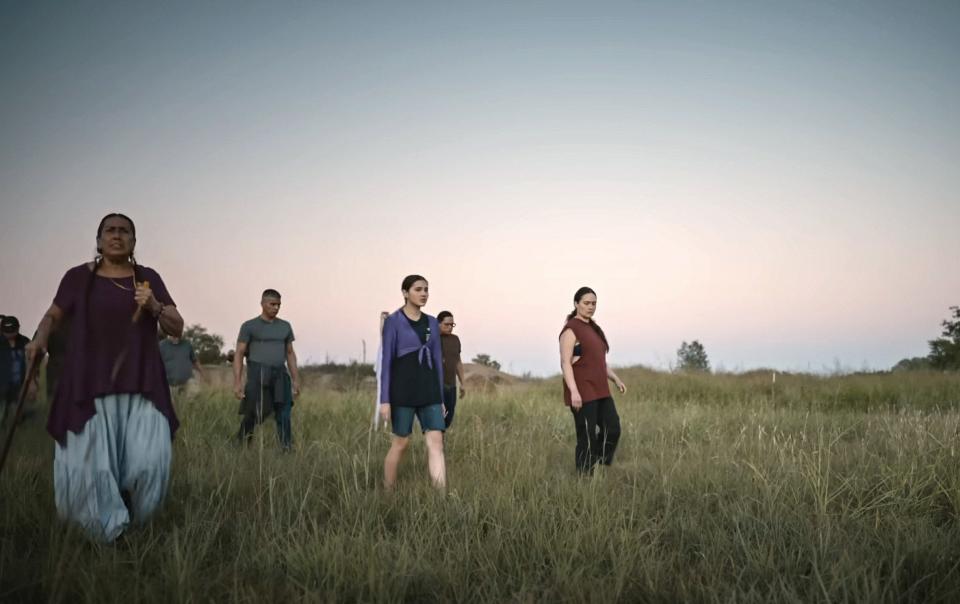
{"x":126,"y":347}
{"x":377,"y":371}
{"x":139,"y":310}
{"x":24,"y":389}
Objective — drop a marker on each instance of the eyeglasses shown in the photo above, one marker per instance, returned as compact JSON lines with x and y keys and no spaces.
{"x":448,"y":325}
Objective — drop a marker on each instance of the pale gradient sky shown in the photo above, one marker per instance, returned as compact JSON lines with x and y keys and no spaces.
{"x":778,"y":180}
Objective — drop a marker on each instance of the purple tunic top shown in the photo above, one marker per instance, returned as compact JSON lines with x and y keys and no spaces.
{"x":100,"y":310}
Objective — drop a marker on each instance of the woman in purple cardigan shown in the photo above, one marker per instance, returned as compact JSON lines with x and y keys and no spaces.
{"x":411,"y":367}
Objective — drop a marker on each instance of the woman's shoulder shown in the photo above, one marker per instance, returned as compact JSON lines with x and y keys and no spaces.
{"x":393,"y":319}
{"x":147,"y":273}
{"x":571,"y":324}
{"x":77,"y":274}
{"x":80,"y":270}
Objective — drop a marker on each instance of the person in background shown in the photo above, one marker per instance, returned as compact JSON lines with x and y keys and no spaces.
{"x":452,"y":365}
{"x":179,"y":361}
{"x":583,"y":359}
{"x":412,"y":382}
{"x":13,"y":364}
{"x":272,"y":377}
{"x":111,"y":416}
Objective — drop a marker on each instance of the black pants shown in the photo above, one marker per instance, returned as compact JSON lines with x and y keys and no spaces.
{"x":450,"y":402}
{"x":280,"y":411}
{"x":8,"y":402}
{"x":268,"y":391}
{"x":598,"y":431}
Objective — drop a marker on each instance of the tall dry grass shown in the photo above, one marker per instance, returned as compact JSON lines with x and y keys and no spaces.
{"x":726,"y":488}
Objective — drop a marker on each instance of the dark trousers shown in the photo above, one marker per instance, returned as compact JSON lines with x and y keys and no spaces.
{"x":8,"y":402}
{"x":280,"y":412}
{"x":267,"y":392}
{"x":450,"y":402}
{"x":598,"y":431}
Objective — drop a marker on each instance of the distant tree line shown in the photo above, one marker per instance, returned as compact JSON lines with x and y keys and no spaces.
{"x":944,"y":351}
{"x":692,"y":357}
{"x":207,"y":346}
{"x":486,"y":361}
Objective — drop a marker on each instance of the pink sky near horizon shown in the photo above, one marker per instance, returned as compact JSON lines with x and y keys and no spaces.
{"x":756,"y":299}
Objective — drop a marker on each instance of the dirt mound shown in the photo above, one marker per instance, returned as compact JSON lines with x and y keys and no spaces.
{"x":481,"y":377}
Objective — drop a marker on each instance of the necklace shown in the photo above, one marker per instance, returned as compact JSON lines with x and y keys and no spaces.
{"x":120,"y":285}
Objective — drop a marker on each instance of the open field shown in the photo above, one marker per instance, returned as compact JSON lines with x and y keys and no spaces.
{"x":726,"y":488}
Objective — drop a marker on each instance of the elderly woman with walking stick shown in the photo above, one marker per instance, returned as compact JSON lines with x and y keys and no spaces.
{"x":111,"y":415}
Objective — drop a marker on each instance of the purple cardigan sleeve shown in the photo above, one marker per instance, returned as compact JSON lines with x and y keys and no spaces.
{"x":386,"y":359}
{"x":437,"y":352}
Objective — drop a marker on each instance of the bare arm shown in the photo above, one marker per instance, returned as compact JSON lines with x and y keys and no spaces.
{"x":463,"y":391}
{"x":238,"y":369}
{"x":199,"y":368}
{"x":170,"y":320}
{"x":567,"y":342}
{"x":616,"y":380}
{"x":292,"y":366}
{"x":167,"y":314}
{"x":51,"y":319}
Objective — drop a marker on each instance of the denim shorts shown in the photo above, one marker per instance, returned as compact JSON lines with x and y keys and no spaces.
{"x":430,"y":417}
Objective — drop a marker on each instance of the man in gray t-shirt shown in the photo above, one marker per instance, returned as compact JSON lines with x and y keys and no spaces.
{"x":272,"y":378}
{"x":179,"y":360}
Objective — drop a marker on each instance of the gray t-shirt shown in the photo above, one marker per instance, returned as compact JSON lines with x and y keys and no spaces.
{"x":177,"y":360}
{"x":266,"y":341}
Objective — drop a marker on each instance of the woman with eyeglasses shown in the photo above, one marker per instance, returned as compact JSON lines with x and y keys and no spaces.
{"x":583,"y":359}
{"x":411,"y":385}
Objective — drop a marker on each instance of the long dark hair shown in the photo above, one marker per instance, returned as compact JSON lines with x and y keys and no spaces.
{"x":98,"y":259}
{"x":583,"y":291}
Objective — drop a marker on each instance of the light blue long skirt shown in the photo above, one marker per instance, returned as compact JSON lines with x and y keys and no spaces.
{"x":125,"y":446}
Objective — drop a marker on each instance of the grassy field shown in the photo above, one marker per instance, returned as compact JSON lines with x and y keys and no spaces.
{"x":726,"y":488}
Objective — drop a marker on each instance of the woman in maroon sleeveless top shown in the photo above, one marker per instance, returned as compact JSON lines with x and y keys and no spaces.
{"x":583,"y":357}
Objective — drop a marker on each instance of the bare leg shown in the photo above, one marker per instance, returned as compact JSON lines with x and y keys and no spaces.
{"x":435,"y":459}
{"x":392,"y":461}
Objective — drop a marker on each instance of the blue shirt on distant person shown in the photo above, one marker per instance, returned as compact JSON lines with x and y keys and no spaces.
{"x":178,"y":360}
